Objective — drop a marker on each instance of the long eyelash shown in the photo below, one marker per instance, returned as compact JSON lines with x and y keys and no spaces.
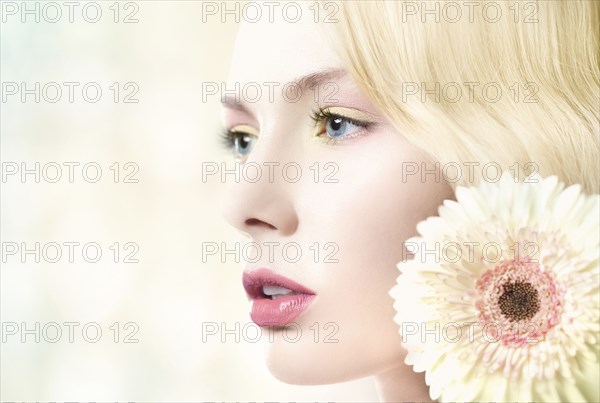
{"x":227,"y":138}
{"x":321,"y":114}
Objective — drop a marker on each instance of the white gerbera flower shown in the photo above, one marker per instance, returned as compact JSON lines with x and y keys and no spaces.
{"x":501,"y":301}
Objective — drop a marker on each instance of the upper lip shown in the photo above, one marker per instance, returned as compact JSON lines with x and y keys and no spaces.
{"x":254,"y":281}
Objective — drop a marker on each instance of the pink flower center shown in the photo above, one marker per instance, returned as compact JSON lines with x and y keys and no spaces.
{"x":518,"y":303}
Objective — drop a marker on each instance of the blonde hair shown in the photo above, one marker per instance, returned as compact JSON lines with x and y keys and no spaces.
{"x":385,"y":45}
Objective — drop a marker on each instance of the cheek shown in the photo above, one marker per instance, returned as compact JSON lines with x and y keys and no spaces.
{"x":369,"y":213}
{"x":377,"y":215}
{"x":373,"y":209}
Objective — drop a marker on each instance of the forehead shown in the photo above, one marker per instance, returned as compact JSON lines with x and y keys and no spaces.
{"x":281,"y":51}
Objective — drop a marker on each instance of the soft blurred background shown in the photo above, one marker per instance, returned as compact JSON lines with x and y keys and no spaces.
{"x":170,"y":293}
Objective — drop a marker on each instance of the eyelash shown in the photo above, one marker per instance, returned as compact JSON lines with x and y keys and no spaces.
{"x":318,"y":116}
{"x":228,"y":138}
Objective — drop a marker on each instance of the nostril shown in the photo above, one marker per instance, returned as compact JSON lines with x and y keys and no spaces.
{"x":258,"y":223}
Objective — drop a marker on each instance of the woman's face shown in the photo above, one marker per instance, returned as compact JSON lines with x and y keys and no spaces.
{"x":348,"y":213}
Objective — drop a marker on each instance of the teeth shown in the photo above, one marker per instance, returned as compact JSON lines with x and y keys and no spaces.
{"x":275,"y":291}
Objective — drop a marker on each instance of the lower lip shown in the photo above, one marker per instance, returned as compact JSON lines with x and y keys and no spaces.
{"x":281,"y":311}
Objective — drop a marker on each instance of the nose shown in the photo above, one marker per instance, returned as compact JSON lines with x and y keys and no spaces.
{"x":261,"y":208}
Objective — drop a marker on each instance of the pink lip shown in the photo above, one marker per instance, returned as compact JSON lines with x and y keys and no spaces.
{"x":275,"y":312}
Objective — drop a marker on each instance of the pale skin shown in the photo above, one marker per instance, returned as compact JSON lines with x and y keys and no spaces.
{"x":367,"y":214}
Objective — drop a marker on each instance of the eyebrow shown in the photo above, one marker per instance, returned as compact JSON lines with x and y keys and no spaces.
{"x":306,"y":83}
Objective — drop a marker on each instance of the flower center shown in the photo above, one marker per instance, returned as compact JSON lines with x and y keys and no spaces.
{"x":519,"y":301}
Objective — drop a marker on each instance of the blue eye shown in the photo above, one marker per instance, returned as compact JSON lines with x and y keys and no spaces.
{"x":337,"y":126}
{"x":241,"y":143}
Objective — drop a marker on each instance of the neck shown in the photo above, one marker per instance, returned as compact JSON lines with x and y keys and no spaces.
{"x":401,"y":384}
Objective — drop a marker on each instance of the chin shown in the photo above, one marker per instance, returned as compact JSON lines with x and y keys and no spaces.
{"x":306,"y":362}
